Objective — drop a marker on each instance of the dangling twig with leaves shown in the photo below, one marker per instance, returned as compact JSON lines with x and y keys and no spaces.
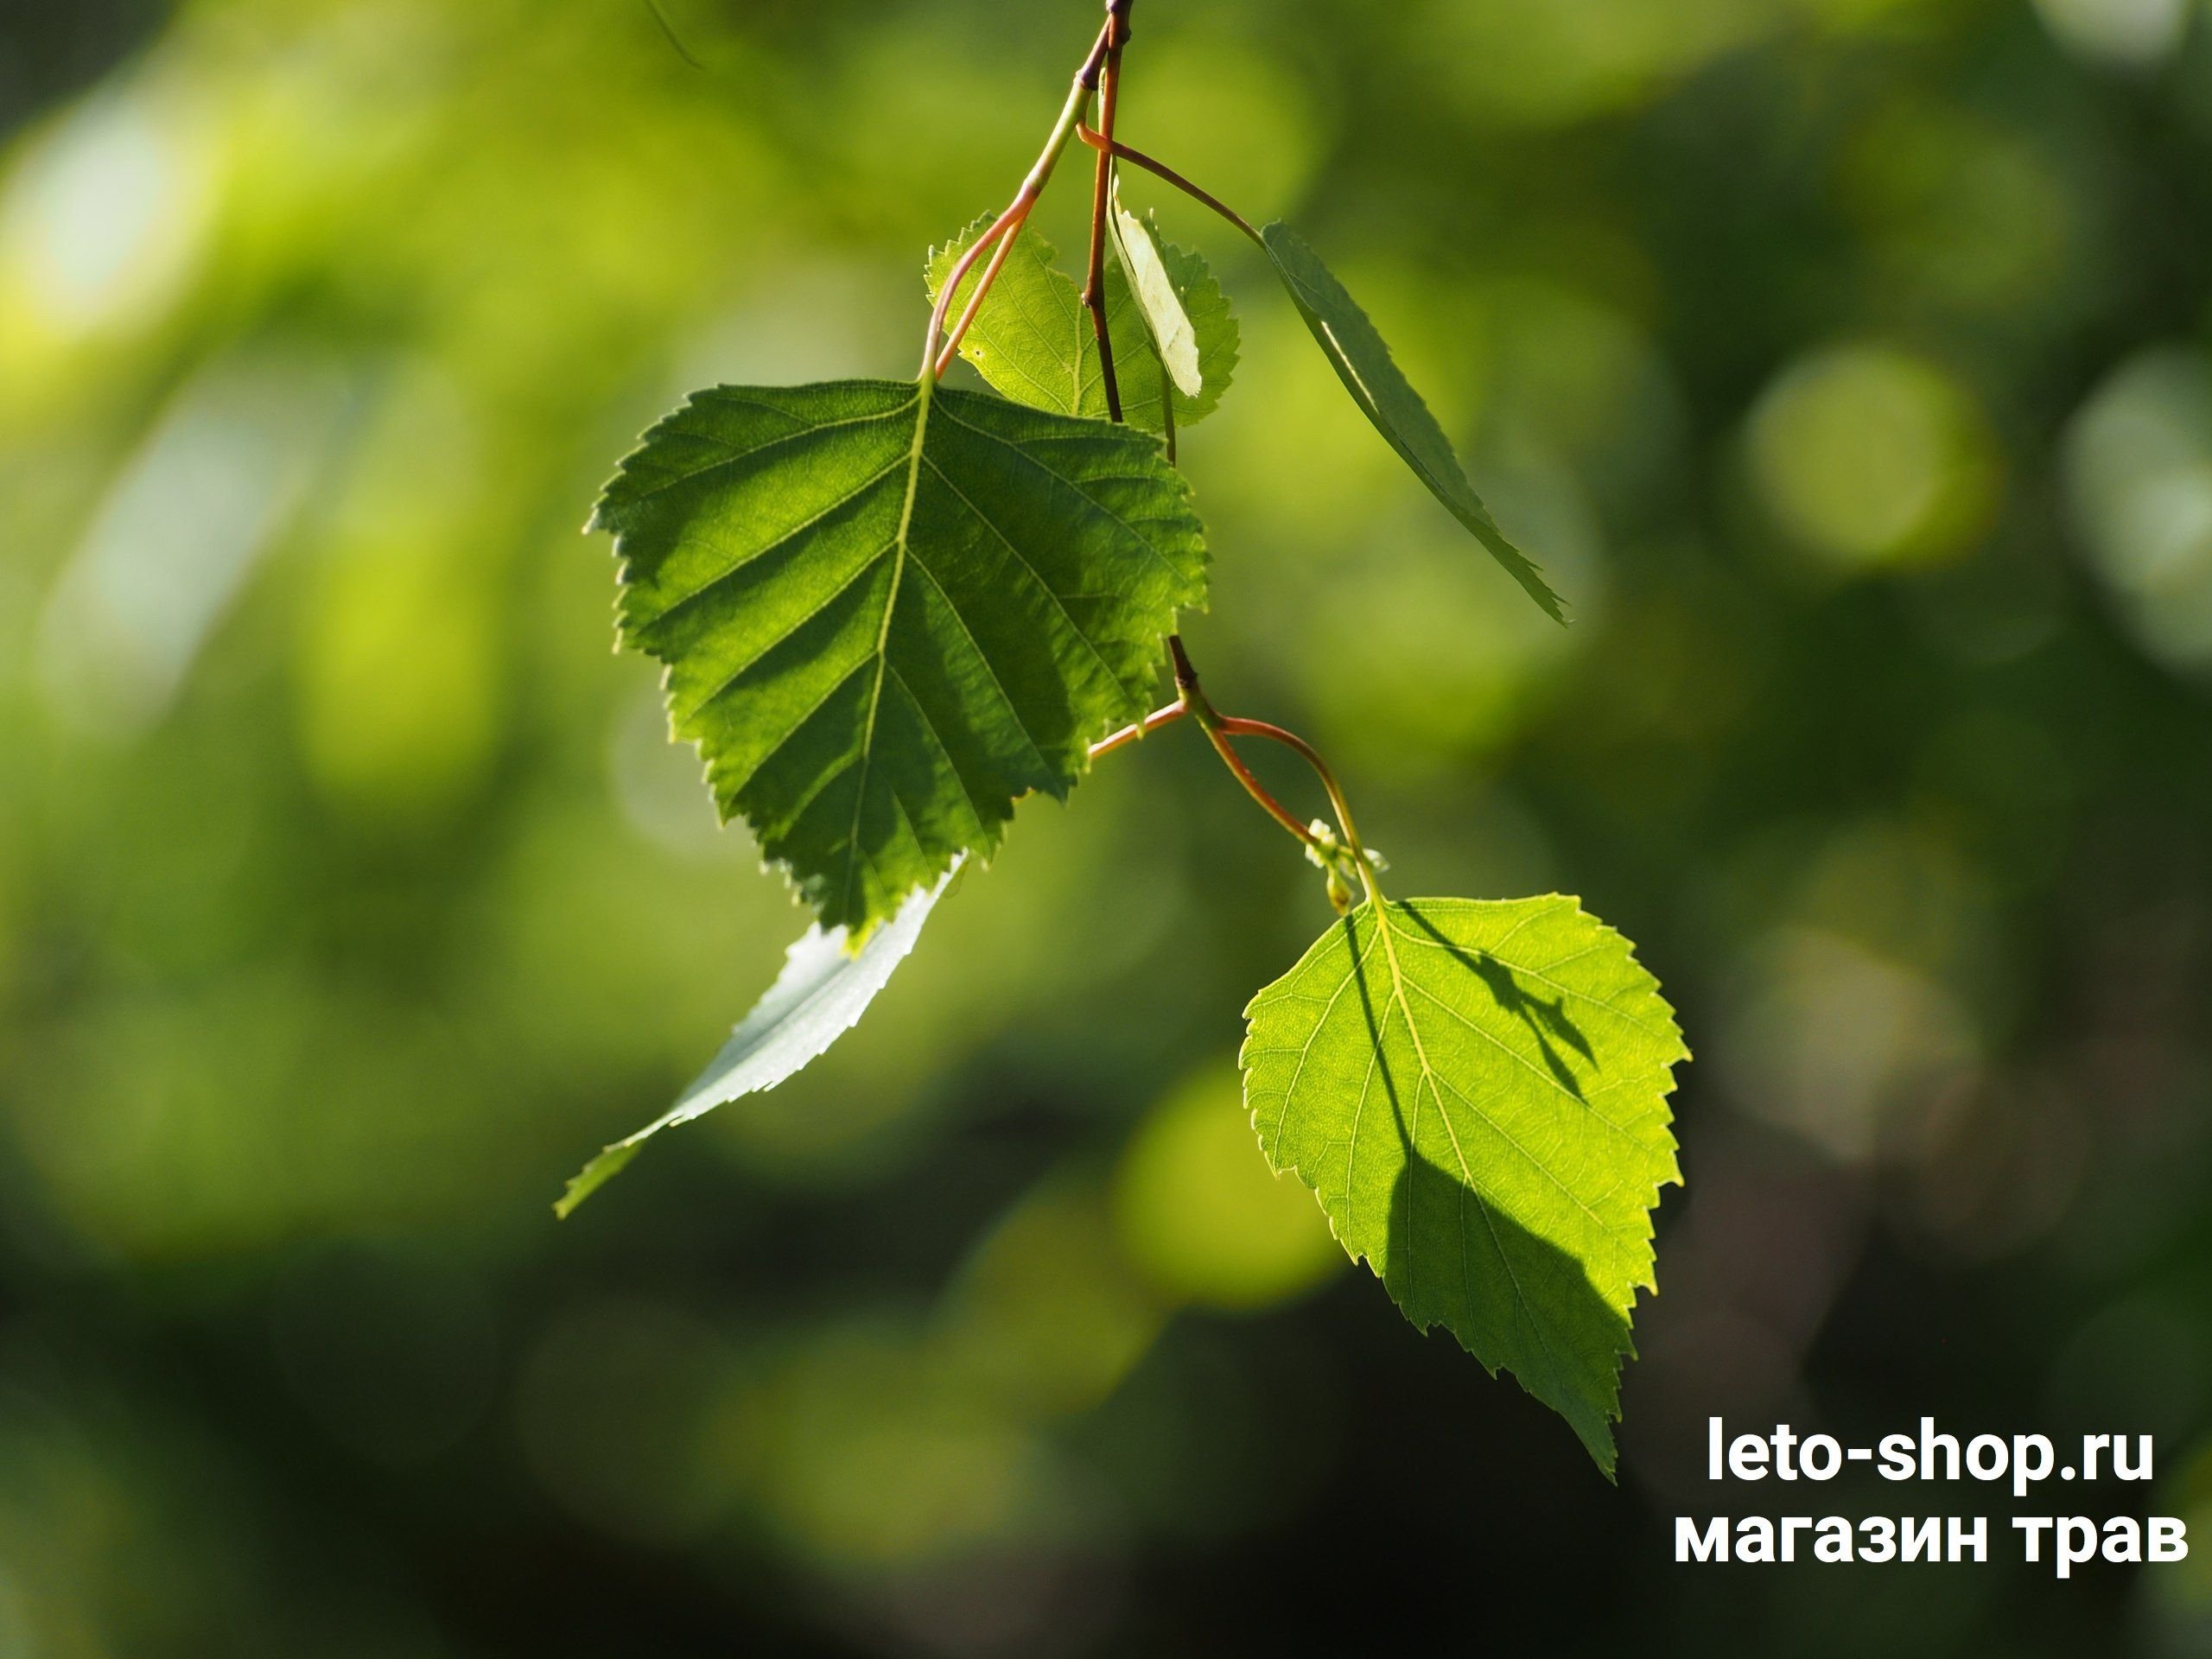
{"x":890,"y":609}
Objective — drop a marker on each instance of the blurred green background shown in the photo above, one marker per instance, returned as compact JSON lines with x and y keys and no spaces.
{"x":1845,"y":362}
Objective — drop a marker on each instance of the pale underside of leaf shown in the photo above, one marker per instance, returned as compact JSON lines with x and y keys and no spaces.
{"x":1172,"y":337}
{"x":1477,"y":1093}
{"x":887,"y":614}
{"x":1032,"y":338}
{"x":1363,"y":361}
{"x":825,"y":986}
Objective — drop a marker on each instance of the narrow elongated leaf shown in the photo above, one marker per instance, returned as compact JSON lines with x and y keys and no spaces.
{"x":1213,"y":324}
{"x":823,"y":991}
{"x":1032,"y":339}
{"x":1159,"y":306}
{"x":1363,"y":363}
{"x":1477,"y":1091}
{"x":888,"y":613}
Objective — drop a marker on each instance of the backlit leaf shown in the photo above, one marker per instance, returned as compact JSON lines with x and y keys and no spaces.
{"x":1032,"y":341}
{"x":886,"y":612}
{"x":1477,"y":1091}
{"x":1363,"y":363}
{"x":824,"y":989}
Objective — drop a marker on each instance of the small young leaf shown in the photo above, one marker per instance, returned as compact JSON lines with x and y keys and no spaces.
{"x":1478,"y":1094}
{"x":1363,"y":363}
{"x":820,"y":996}
{"x":1032,"y":341}
{"x":1159,"y":306}
{"x":887,"y":610}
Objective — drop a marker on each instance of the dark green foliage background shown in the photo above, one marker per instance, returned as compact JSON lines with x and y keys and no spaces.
{"x":1842,"y":362}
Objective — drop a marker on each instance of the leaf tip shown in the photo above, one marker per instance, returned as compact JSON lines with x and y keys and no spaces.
{"x":594,"y":1175}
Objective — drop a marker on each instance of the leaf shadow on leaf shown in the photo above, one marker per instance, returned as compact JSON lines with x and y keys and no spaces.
{"x":1515,"y":1301}
{"x":1546,"y":1021}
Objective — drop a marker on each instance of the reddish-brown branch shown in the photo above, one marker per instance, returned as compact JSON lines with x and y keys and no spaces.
{"x":1006,"y":232}
{"x":1236,"y":727}
{"x":1101,"y":184}
{"x":1186,"y":680}
{"x":1106,"y":145}
{"x":1275,"y":810}
{"x":1088,"y":75}
{"x":1003,"y":228}
{"x":1209,"y":720}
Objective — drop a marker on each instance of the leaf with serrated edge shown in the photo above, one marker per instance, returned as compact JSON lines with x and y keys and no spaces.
{"x":1363,"y":363}
{"x":886,"y":612}
{"x":1032,"y":338}
{"x":821,"y":994}
{"x":1157,"y":304}
{"x":1477,"y":1092}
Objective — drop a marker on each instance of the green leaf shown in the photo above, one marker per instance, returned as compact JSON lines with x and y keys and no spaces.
{"x":1213,"y":324}
{"x":886,"y":612}
{"x":1478,"y":1094}
{"x":1032,"y":341}
{"x":1363,"y":363}
{"x":823,"y":991}
{"x":1160,"y":308}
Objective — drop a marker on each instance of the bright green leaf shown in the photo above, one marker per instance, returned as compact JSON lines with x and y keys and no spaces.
{"x":1363,"y":363}
{"x":1032,"y":339}
{"x":823,"y":991}
{"x":886,"y":613}
{"x":1477,"y":1093}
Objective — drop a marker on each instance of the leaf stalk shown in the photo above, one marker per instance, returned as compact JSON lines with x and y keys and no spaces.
{"x":1007,"y":223}
{"x":1107,"y":146}
{"x":1235,"y":728}
{"x":1151,"y":724}
{"x":1211,"y":723}
{"x":1101,"y":76}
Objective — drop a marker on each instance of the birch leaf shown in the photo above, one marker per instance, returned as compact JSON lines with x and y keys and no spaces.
{"x":888,"y":611}
{"x":1477,"y":1092}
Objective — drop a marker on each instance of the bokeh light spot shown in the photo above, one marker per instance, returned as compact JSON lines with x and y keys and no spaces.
{"x":1873,"y":457}
{"x":101,"y":219}
{"x":2135,"y":33}
{"x":2139,"y":474}
{"x":182,"y":526}
{"x":1198,"y":1212}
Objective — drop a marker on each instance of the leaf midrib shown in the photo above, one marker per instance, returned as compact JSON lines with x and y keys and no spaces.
{"x":1467,"y":1187}
{"x":1438,"y":1081}
{"x":900,"y":549}
{"x":922,"y":395}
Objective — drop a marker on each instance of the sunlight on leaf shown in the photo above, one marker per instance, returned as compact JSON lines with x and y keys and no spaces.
{"x":1477,"y":1092}
{"x":1032,"y":339}
{"x":887,"y":615}
{"x":820,"y":996}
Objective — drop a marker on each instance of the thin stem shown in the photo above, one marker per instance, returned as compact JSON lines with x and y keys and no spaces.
{"x":1007,"y":222}
{"x":1102,"y":185}
{"x":1235,"y":728}
{"x":1105,"y":145}
{"x":1151,"y":724}
{"x":1275,"y":810}
{"x":1000,"y":232}
{"x":1211,"y":722}
{"x":1101,"y":72}
{"x":1006,"y":232}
